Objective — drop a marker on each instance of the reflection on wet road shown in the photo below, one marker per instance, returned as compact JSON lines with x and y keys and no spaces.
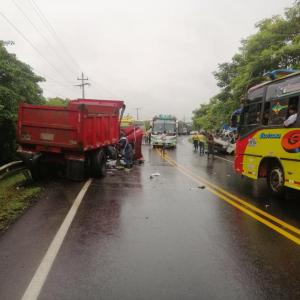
{"x":138,"y":236}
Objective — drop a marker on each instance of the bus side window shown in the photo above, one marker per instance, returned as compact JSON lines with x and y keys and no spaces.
{"x":293,"y":102}
{"x":278,"y":111}
{"x":266,"y":114}
{"x":250,"y":118}
{"x":253,"y":114}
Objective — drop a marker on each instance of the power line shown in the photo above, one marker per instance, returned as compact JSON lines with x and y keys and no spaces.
{"x":55,"y":35}
{"x":41,"y":34}
{"x":52,"y":30}
{"x":31,"y":44}
{"x":103,"y":88}
{"x":83,"y":84}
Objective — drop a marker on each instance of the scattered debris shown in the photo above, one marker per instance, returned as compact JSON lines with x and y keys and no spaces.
{"x":111,"y":164}
{"x":154,"y":175}
{"x":228,"y":175}
{"x":267,"y":205}
{"x":201,"y":187}
{"x":110,"y":173}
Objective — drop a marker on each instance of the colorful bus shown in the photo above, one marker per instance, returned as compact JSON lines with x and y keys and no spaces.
{"x":161,"y":124}
{"x":266,"y":147}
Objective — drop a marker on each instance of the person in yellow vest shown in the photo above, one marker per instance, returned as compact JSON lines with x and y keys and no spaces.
{"x":195,"y":141}
{"x":201,"y":139}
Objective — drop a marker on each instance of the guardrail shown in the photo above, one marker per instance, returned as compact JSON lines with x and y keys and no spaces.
{"x":11,"y":168}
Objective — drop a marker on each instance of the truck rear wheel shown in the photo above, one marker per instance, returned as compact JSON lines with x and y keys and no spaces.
{"x":98,"y":164}
{"x":38,"y":168}
{"x":275,"y":179}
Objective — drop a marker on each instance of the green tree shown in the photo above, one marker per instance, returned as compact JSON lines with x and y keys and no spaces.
{"x":57,"y":101}
{"x":18,"y":83}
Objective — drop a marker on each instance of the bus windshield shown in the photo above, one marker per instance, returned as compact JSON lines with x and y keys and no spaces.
{"x":159,"y":126}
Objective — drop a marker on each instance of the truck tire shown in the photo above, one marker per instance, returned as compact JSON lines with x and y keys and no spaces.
{"x":37,"y":167}
{"x":35,"y":174}
{"x":98,"y":164}
{"x":275,"y":179}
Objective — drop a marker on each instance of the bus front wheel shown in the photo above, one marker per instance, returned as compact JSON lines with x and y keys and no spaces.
{"x":275,"y":180}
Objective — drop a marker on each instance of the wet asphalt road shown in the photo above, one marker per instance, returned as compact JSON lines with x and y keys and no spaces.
{"x":163,"y":238}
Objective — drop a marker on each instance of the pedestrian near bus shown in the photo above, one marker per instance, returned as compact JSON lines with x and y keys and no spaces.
{"x":210,"y":145}
{"x":164,"y":140}
{"x":201,"y":139}
{"x":195,"y":141}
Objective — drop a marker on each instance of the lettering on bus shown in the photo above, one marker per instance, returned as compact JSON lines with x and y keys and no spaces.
{"x":291,"y":141}
{"x":270,"y":136}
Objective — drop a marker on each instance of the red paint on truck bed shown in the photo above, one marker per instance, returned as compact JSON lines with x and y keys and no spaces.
{"x":85,"y":124}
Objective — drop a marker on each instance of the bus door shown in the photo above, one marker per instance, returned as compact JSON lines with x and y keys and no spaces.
{"x":250,"y":123}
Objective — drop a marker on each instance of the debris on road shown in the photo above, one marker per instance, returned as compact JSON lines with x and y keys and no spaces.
{"x":201,"y":187}
{"x":111,"y":164}
{"x":120,"y":168}
{"x":154,"y":175}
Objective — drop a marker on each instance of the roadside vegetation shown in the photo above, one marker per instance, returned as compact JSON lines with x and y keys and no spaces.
{"x":275,"y":45}
{"x":16,"y":195}
{"x":18,"y":83}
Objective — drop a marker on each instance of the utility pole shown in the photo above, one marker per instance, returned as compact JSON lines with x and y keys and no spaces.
{"x":83,"y":84}
{"x":137,"y":112}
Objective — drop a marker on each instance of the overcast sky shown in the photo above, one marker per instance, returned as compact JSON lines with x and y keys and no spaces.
{"x":158,"y":55}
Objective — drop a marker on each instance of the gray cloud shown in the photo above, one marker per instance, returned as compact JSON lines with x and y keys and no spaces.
{"x":158,"y":55}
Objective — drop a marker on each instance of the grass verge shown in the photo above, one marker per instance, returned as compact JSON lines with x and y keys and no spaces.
{"x":16,"y":195}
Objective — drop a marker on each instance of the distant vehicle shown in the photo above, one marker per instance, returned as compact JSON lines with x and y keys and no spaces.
{"x":183,"y":128}
{"x":266,"y":148}
{"x":194,"y":132}
{"x":161,"y":124}
{"x":78,"y":137}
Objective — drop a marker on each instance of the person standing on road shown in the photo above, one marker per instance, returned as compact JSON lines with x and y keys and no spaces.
{"x":210,"y":145}
{"x":149,"y":135}
{"x":195,"y":141}
{"x":164,"y":140}
{"x":201,"y":139}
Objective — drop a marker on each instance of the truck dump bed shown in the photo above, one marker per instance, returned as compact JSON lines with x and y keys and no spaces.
{"x":85,"y":124}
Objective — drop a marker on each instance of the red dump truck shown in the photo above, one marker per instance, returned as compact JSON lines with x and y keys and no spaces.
{"x":78,"y":137}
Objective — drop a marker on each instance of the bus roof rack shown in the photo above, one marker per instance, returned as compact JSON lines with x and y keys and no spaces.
{"x":275,"y":74}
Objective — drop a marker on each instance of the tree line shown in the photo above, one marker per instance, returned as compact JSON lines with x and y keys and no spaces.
{"x":275,"y":45}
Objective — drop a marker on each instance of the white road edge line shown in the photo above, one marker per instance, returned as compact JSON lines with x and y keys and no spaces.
{"x":34,"y":288}
{"x":220,"y":157}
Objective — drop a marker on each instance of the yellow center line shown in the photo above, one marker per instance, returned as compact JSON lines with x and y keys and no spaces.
{"x":224,"y":195}
{"x":245,"y":203}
